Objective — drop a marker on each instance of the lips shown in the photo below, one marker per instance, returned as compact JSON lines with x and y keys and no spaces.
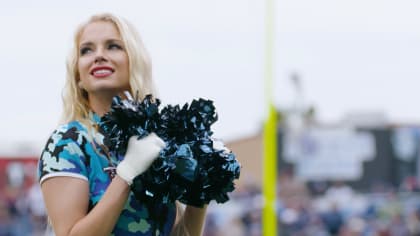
{"x":101,"y":71}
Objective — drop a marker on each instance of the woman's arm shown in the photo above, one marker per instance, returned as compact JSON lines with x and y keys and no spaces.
{"x":67,"y":201}
{"x":189,"y":222}
{"x":194,"y":219}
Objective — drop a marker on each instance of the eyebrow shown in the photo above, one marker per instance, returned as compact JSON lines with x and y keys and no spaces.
{"x":89,"y":43}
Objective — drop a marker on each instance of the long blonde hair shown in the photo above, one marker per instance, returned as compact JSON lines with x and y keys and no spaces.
{"x":75,"y":99}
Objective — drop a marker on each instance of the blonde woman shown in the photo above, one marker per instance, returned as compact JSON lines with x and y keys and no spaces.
{"x":80,"y":194}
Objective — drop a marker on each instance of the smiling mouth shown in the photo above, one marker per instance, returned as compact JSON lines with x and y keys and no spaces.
{"x":102,"y":72}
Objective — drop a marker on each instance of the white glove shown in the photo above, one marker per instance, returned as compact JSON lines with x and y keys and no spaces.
{"x":219,"y":146}
{"x":139,"y":156}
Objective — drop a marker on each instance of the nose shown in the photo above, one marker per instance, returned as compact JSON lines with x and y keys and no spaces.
{"x":100,"y":56}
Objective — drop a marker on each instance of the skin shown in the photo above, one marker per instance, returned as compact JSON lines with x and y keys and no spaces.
{"x":194,"y":219}
{"x":100,"y":45}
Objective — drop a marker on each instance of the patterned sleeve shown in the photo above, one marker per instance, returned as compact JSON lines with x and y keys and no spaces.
{"x":62,"y":155}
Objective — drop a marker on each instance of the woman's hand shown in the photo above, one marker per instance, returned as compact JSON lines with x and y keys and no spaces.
{"x":139,"y":156}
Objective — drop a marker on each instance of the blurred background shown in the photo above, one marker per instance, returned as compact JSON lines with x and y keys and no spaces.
{"x":345,"y":86}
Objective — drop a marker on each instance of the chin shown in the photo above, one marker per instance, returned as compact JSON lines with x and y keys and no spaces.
{"x":108,"y":90}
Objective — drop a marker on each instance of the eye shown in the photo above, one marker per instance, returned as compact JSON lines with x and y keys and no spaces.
{"x":114,"y":46}
{"x":85,"y":50}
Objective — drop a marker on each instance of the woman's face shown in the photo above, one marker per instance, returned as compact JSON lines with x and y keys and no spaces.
{"x":103,"y":61}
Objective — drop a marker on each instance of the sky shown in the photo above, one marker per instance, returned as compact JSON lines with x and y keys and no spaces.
{"x":351,"y":56}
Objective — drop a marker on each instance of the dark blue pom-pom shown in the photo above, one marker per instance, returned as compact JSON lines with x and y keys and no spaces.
{"x":189,"y":168}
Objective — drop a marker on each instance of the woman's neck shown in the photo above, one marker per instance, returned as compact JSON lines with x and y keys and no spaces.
{"x":100,"y":105}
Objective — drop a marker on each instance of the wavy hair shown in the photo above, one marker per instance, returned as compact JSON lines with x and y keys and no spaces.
{"x":75,"y":99}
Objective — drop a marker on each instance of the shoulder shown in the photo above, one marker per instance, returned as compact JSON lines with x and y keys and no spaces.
{"x":70,"y":128}
{"x":70,"y":136}
{"x":63,"y":152}
{"x":71,"y":131}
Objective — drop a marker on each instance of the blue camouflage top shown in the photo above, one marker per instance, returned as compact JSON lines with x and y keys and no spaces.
{"x":73,"y":151}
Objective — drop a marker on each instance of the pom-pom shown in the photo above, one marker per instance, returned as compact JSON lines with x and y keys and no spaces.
{"x":189,"y":169}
